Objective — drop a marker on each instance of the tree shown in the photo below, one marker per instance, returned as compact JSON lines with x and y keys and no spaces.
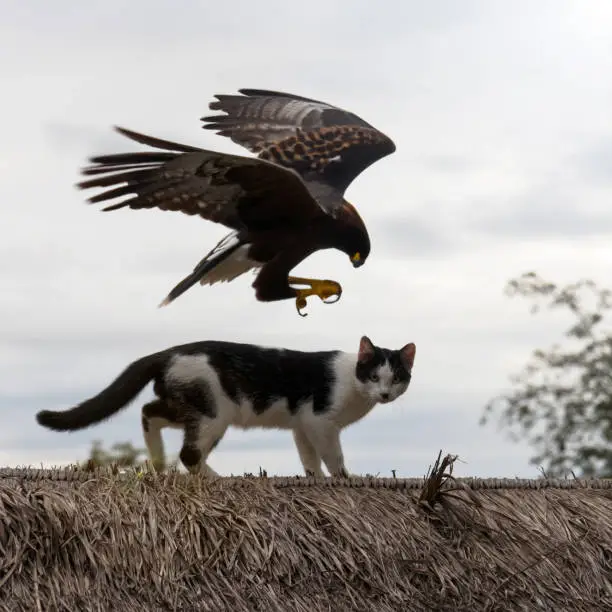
{"x":123,"y":454}
{"x":562,"y":400}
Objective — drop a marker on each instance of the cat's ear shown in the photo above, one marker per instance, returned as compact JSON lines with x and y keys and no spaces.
{"x":366,"y":350}
{"x":407,"y":354}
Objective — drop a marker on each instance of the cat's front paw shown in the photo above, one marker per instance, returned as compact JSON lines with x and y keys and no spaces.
{"x":342,"y":473}
{"x":346,"y":474}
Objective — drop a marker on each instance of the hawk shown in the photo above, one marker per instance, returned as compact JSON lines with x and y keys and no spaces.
{"x":282,"y":205}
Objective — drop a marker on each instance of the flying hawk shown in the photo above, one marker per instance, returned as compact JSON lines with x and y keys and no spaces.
{"x":282,"y":205}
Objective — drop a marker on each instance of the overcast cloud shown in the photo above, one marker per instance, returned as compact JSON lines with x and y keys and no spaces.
{"x":501,"y":116}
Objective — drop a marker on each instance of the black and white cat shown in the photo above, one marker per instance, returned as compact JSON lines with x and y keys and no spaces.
{"x":204,"y":387}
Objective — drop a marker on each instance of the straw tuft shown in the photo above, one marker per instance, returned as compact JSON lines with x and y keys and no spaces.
{"x":135,"y":540}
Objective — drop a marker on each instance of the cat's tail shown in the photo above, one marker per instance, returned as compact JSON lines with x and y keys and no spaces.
{"x":110,"y":400}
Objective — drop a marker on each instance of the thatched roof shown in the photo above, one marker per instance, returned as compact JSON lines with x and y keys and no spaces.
{"x":102,"y":541}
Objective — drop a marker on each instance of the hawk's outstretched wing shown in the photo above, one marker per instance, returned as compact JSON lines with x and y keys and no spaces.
{"x":325,"y":144}
{"x":239,"y":192}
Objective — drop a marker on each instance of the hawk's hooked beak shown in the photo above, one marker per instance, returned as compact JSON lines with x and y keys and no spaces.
{"x":356,"y":260}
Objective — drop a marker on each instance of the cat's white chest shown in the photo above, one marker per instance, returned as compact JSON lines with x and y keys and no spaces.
{"x":353,"y":408}
{"x":348,"y":404}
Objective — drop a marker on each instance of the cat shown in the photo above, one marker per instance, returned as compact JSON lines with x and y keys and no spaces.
{"x":204,"y":387}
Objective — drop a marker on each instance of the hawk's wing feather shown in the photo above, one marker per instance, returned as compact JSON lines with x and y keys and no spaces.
{"x":232,"y":190}
{"x":261,"y":118}
{"x":320,"y":141}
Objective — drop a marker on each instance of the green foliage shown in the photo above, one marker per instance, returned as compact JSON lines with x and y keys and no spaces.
{"x":123,"y":454}
{"x":562,"y":400}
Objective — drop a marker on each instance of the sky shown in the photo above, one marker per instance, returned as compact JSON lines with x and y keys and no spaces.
{"x":501,"y":114}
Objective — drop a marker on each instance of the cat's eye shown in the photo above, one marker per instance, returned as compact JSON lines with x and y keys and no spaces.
{"x":396,"y":379}
{"x":374,"y":377}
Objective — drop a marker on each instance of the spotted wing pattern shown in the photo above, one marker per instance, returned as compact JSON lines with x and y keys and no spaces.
{"x":323,"y":143}
{"x":238,"y":192}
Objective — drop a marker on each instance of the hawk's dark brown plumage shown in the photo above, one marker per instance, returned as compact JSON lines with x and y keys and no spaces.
{"x":282,"y":205}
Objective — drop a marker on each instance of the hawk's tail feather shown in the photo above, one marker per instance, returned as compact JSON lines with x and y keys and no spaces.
{"x":226,"y":246}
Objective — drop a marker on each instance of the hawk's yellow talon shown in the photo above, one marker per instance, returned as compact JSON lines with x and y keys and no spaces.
{"x":300,"y":303}
{"x":328,"y":301}
{"x":324,"y":289}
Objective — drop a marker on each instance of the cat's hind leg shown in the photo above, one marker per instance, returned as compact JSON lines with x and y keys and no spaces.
{"x":311,"y":460}
{"x":202,"y":434}
{"x":157,"y":415}
{"x":202,"y":426}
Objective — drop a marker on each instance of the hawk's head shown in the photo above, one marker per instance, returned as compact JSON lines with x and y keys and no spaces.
{"x":354,"y":239}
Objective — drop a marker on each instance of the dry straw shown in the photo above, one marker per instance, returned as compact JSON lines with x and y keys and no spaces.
{"x":103,"y":540}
